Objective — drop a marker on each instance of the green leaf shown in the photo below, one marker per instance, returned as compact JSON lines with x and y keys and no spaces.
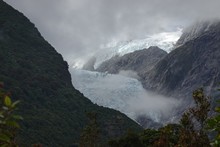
{"x":4,"y":138}
{"x":217,"y":109}
{"x":1,"y":116}
{"x":218,"y":101}
{"x":4,"y":145}
{"x":217,"y":118}
{"x":15,"y":103}
{"x":18,"y":117}
{"x":2,"y":122}
{"x":7,"y":101}
{"x":5,"y":108}
{"x":12,"y":124}
{"x":211,"y":122}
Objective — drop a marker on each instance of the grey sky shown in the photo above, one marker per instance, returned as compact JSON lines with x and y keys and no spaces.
{"x":77,"y":28}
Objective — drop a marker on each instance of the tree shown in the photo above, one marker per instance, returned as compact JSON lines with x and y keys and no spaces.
{"x":8,"y":120}
{"x":131,"y":139}
{"x":169,"y":136}
{"x":149,"y":136}
{"x":213,"y":124}
{"x":193,"y":121}
{"x":90,"y":134}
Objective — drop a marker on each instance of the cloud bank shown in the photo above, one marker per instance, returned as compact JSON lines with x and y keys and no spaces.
{"x":77,"y":28}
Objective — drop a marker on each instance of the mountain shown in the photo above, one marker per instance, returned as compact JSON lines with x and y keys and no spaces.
{"x":139,"y":61}
{"x":164,"y":40}
{"x":195,"y":30}
{"x":193,"y":64}
{"x":54,"y":111}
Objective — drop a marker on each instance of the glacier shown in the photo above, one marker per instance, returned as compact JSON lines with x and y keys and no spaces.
{"x":164,"y":40}
{"x":124,"y":94}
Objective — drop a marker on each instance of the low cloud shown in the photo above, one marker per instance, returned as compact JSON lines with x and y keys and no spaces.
{"x":129,"y":73}
{"x":77,"y":28}
{"x":159,"y":108}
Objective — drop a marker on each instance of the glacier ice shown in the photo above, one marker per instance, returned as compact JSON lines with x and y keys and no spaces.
{"x":122,"y":93}
{"x":164,"y":40}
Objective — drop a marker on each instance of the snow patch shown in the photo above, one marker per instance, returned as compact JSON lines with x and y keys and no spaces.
{"x":164,"y":40}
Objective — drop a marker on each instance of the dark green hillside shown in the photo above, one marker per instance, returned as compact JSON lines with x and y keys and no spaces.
{"x":54,"y":112}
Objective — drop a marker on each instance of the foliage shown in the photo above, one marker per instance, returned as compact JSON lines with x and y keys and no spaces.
{"x":149,"y":136}
{"x":90,"y":134}
{"x":54,"y":111}
{"x":191,"y":131}
{"x":8,"y":120}
{"x":193,"y":121}
{"x":131,"y":139}
{"x":213,"y":124}
{"x":169,"y":136}
{"x":165,"y":136}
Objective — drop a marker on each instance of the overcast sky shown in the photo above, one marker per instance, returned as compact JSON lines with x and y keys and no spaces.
{"x":77,"y":28}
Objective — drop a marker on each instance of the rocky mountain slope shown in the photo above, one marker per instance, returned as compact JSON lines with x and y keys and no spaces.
{"x":193,"y":64}
{"x":138,"y":61}
{"x":54,"y":111}
{"x":164,"y":40}
{"x":195,"y":30}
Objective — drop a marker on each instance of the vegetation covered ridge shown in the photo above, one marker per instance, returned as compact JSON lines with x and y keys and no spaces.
{"x":54,"y":111}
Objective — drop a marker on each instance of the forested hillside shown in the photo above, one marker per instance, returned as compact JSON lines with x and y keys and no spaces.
{"x":54,"y":111}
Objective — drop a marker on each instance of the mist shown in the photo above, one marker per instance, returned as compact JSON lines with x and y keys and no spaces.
{"x":124,"y":94}
{"x":78,"y":28}
{"x":129,"y":73}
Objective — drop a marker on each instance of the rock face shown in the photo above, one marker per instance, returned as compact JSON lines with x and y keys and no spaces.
{"x":194,"y":64}
{"x":139,"y":61}
{"x":196,"y":30}
{"x":54,"y":111}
